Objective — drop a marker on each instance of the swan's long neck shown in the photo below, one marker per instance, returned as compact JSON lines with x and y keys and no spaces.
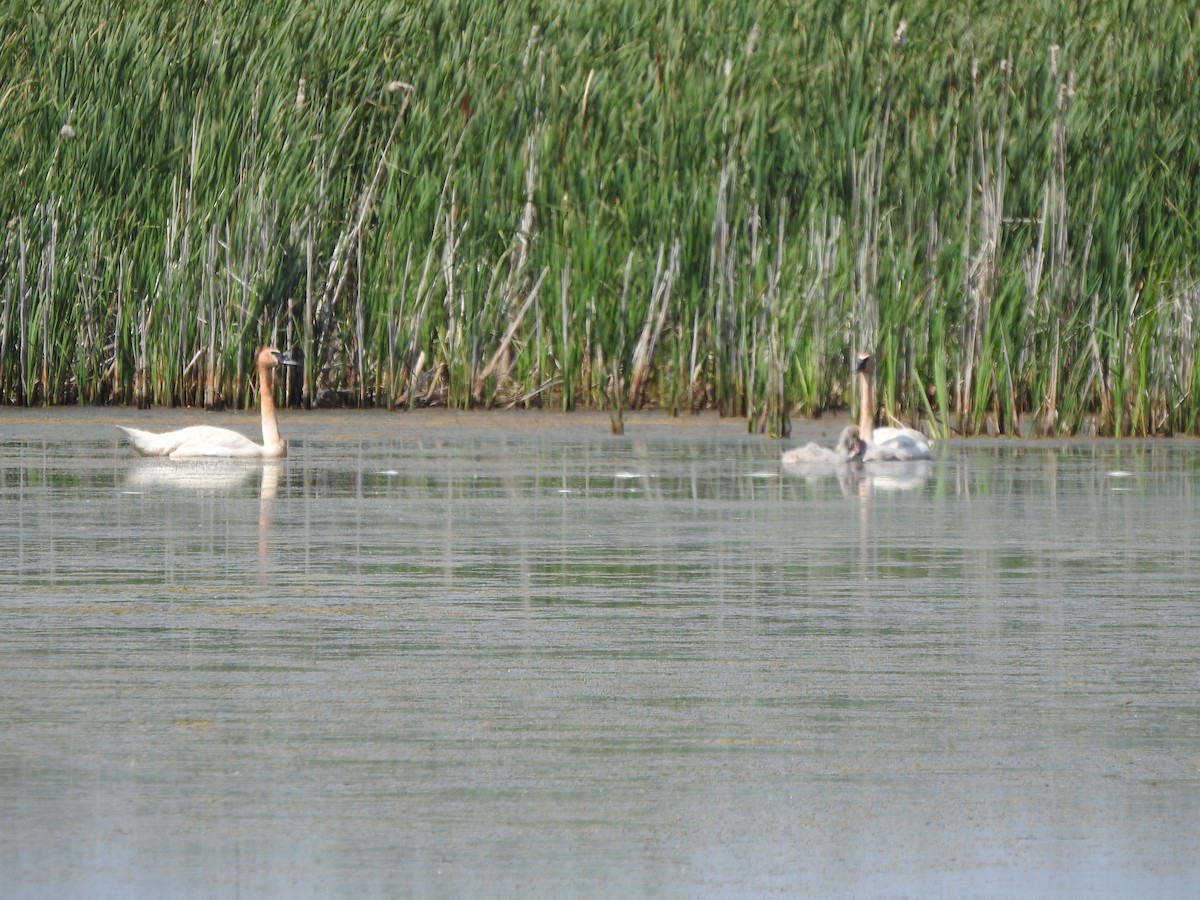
{"x":273,"y":445}
{"x":866,"y":414}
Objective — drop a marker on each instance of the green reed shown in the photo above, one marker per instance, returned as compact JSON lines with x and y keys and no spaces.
{"x":615,"y":206}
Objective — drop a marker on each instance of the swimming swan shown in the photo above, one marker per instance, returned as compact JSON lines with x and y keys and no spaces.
{"x":849,"y":446}
{"x":208,"y":441}
{"x":884,"y":444}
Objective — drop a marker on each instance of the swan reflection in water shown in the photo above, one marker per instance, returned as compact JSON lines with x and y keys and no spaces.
{"x":221,"y":478}
{"x":895,"y":476}
{"x":218,"y":477}
{"x":857,"y":479}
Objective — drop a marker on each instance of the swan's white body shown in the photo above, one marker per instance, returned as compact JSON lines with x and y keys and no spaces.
{"x":884,"y":444}
{"x":848,"y":447}
{"x":883,"y":435}
{"x":901,"y":448}
{"x":202,"y":441}
{"x":208,"y":441}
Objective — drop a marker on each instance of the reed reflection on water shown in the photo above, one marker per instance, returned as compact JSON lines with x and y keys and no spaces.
{"x":496,"y":654}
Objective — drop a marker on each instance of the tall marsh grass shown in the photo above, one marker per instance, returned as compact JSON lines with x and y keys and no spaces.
{"x":612,"y":205}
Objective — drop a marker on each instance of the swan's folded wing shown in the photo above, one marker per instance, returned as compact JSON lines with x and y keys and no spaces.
{"x":194,"y":441}
{"x":883,"y":435}
{"x":147,"y":443}
{"x":901,"y":448}
{"x":217,"y":443}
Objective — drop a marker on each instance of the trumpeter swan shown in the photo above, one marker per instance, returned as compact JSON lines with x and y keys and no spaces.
{"x":849,"y":446}
{"x":884,"y":444}
{"x":208,"y":441}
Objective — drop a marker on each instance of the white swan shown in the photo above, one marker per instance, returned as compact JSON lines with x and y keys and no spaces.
{"x":208,"y":441}
{"x":849,"y":446}
{"x":884,"y":444}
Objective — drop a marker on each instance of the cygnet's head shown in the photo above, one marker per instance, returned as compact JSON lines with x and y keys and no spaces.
{"x":851,"y":444}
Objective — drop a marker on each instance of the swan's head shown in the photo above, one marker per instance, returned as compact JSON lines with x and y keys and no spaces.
{"x":865,"y":364}
{"x":269,"y":358}
{"x":850,"y":444}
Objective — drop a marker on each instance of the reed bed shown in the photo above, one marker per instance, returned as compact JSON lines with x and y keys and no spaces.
{"x":611,"y":205}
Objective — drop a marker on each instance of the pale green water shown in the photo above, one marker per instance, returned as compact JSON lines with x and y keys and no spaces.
{"x":496,"y":655}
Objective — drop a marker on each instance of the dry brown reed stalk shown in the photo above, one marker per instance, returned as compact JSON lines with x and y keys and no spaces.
{"x":23,"y":293}
{"x":616,"y":396}
{"x":349,"y":242}
{"x":774,"y":419}
{"x":568,"y":392}
{"x":498,"y":364}
{"x":868,"y":174}
{"x":516,"y":281}
{"x":656,"y":317}
{"x":142,"y":389}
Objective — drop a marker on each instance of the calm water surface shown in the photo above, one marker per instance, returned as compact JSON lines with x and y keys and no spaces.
{"x":442,"y":655}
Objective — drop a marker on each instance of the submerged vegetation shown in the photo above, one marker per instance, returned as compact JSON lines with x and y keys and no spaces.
{"x":610,"y":204}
